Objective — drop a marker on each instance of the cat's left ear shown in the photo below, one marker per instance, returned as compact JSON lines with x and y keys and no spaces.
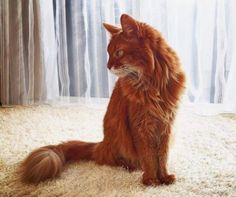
{"x":129,"y":25}
{"x":111,"y":29}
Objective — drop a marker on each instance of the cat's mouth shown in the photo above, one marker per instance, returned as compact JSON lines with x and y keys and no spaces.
{"x":124,"y":71}
{"x":118,"y":72}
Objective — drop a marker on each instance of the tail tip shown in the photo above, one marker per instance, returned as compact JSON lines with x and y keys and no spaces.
{"x":41,"y":164}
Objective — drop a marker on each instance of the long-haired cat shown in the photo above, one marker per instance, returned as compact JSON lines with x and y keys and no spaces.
{"x":138,"y":122}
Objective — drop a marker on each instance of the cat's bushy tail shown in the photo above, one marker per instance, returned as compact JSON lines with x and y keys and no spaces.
{"x":48,"y":162}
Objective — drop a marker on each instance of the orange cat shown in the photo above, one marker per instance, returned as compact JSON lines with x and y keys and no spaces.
{"x":140,"y":115}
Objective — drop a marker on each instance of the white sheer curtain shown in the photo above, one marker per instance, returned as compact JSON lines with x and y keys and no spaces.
{"x":28,"y":66}
{"x":53,"y":48}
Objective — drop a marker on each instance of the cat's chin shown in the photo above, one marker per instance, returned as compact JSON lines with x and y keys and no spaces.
{"x":118,"y":73}
{"x":123,"y":73}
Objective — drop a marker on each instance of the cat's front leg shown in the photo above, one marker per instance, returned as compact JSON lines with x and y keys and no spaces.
{"x":163,"y":150}
{"x":149,"y":169}
{"x":147,"y":158}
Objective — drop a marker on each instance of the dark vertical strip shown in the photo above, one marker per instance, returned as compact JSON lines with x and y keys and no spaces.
{"x":40,"y":90}
{"x":69,"y":47}
{"x":25,"y":34}
{"x":4,"y":65}
{"x":76,"y":42}
{"x":1,"y":49}
{"x":15,"y":61}
{"x":214,"y":60}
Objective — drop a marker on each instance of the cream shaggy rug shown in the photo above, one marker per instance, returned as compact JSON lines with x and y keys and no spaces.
{"x":203,"y":155}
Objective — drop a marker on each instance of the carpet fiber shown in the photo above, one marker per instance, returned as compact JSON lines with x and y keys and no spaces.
{"x":203,"y":155}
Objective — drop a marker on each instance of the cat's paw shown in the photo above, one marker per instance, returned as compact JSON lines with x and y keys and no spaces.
{"x":151,"y":181}
{"x":168,"y":179}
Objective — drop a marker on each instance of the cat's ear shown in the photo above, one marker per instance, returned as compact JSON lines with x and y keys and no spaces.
{"x":129,"y":25}
{"x":111,"y":29}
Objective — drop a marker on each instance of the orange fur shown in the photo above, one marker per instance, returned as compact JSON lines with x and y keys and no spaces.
{"x":140,"y":114}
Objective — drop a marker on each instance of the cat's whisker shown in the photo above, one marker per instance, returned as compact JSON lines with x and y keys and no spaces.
{"x":131,"y":72}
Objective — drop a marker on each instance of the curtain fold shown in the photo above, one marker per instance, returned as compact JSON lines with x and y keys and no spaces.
{"x":24,"y":70}
{"x":229,"y":99}
{"x":53,"y":48}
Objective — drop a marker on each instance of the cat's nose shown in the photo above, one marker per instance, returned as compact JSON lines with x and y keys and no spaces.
{"x":110,"y":63}
{"x":109,"y":66}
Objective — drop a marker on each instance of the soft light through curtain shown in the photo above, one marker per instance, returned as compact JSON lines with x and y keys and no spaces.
{"x":28,"y":66}
{"x":53,"y":48}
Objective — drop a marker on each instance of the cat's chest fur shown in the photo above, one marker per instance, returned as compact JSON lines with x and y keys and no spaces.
{"x":130,"y":107}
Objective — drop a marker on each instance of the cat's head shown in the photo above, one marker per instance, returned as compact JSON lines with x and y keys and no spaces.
{"x":129,"y":49}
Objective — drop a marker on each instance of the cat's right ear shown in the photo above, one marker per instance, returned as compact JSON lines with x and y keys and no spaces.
{"x":111,"y":29}
{"x":129,"y":25}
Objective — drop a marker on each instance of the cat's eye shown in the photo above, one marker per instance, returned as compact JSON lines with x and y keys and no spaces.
{"x":119,"y":53}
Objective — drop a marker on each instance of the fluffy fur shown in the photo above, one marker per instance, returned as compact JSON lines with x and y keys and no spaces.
{"x":138,"y":122}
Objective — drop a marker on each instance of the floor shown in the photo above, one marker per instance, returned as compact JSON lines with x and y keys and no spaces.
{"x":203,"y":155}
